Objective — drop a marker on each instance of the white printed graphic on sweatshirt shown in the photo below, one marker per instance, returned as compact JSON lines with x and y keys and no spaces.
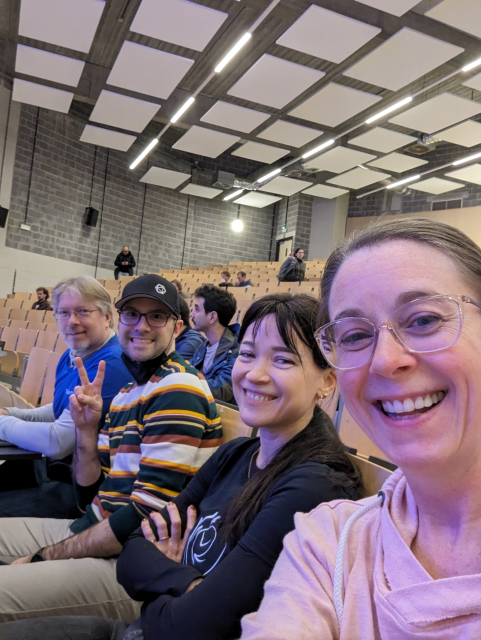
{"x":201,"y":541}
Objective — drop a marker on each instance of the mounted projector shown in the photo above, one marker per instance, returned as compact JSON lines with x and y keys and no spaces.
{"x":226,"y":180}
{"x":425,"y":144}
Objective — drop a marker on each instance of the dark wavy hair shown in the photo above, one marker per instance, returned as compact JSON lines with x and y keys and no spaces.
{"x":218,"y":300}
{"x":318,"y":442}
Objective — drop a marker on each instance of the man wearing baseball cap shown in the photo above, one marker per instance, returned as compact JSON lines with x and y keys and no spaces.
{"x":159,"y":431}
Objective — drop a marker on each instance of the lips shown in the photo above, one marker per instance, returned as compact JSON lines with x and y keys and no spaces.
{"x":411,"y":406}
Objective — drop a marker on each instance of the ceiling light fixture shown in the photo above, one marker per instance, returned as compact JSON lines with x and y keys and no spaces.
{"x":396,"y":184}
{"x":468,"y":159}
{"x":144,"y":153}
{"x":237,"y":225}
{"x":235,"y":49}
{"x":472,"y":65}
{"x":398,"y":105}
{"x":310,"y":153}
{"x":234,"y":194}
{"x":182,"y":109}
{"x":268,"y":176}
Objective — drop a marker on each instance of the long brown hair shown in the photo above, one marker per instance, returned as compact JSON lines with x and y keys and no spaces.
{"x":317,"y":442}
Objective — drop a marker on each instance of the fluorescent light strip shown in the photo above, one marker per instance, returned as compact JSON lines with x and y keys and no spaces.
{"x":398,"y":105}
{"x":182,"y":109}
{"x":235,"y":49}
{"x":234,"y":195}
{"x":144,"y":153}
{"x":268,"y":176}
{"x":322,"y":146}
{"x":468,"y":159}
{"x":472,"y":65}
{"x":396,"y":184}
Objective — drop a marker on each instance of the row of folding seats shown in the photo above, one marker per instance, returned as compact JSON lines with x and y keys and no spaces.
{"x":20,"y":342}
{"x":18,"y":313}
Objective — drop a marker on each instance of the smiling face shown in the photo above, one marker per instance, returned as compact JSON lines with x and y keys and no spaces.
{"x":82,"y":334}
{"x":274,"y":388}
{"x":141,"y":342}
{"x":419,"y":409}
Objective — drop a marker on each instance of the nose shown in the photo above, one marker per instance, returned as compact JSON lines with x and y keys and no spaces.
{"x":73,"y":320}
{"x":391,"y":358}
{"x":258,"y":373}
{"x":142,"y":324}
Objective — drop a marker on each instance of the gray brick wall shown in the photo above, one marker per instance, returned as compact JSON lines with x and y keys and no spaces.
{"x":5,"y":80}
{"x":297,"y":221}
{"x":60,"y":190}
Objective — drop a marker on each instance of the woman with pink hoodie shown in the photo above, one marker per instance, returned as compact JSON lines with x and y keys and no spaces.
{"x":401,"y":324}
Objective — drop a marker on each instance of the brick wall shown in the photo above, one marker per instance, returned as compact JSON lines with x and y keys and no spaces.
{"x":297,"y":222}
{"x":68,"y":176}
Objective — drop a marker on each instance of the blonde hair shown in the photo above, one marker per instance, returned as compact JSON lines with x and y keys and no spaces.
{"x":89,"y":290}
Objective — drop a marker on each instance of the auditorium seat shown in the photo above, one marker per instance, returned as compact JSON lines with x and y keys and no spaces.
{"x":34,"y":375}
{"x":60,"y":346}
{"x":25,"y":343}
{"x":37,"y":326}
{"x":18,"y":314}
{"x":36,"y":315}
{"x":49,"y":317}
{"x":14,"y":303}
{"x":46,"y":340}
{"x":51,"y":326}
{"x":232,"y":425}
{"x":20,"y":324}
{"x":49,"y":382}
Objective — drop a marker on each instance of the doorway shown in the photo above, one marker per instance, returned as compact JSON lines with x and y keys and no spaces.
{"x":283,"y":249}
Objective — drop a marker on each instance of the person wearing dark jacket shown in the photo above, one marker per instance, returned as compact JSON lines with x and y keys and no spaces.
{"x":124,"y":263}
{"x":200,"y":564}
{"x":242,"y":281}
{"x":213,"y":309}
{"x":43,"y":303}
{"x":294,"y":268}
{"x":189,"y":340}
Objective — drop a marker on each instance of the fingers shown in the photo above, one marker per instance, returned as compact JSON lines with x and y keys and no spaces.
{"x":161,"y":524}
{"x":84,"y":379}
{"x":74,"y":403}
{"x":147,"y":530}
{"x":99,"y":378}
{"x":88,"y":401}
{"x":191,"y":520}
{"x":175,"y":522}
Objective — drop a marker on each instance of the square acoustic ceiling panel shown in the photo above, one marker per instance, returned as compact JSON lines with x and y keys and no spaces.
{"x":382,"y":140}
{"x":180,"y":22}
{"x":358,"y":178}
{"x":327,"y":35}
{"x":466,"y":134}
{"x":283,"y":186}
{"x":292,"y":135}
{"x":395,"y":7}
{"x":49,"y":66}
{"x":437,"y":113}
{"x":460,"y":14}
{"x":231,"y":116}
{"x":260,"y":152}
{"x":41,"y":96}
{"x":149,"y":71}
{"x":257,"y":200}
{"x":123,"y":112}
{"x":274,"y":82}
{"x":205,"y":142}
{"x":397,"y":162}
{"x":404,"y":57}
{"x":165,"y":177}
{"x":435,"y":186}
{"x":107,"y":138}
{"x":468,"y":174}
{"x":199,"y":190}
{"x":338,"y":160}
{"x":334,"y":104}
{"x":323,"y":191}
{"x":66,"y":23}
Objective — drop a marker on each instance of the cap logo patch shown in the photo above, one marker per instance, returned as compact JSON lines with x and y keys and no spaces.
{"x":160,"y":288}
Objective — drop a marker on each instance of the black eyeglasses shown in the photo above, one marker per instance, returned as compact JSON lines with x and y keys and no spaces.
{"x":155,"y":319}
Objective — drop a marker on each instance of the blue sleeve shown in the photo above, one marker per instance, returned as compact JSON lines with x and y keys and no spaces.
{"x":220,"y":382}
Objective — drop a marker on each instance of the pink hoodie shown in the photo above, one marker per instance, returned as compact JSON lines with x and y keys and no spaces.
{"x":385,"y":593}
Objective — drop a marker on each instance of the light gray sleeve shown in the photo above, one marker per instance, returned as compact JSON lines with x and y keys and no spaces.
{"x":53,"y":439}
{"x":40,"y":414}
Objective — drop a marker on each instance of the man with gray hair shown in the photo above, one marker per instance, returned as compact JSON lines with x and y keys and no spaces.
{"x":84,"y":314}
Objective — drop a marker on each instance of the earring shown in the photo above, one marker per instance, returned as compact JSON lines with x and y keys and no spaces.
{"x":324,"y":396}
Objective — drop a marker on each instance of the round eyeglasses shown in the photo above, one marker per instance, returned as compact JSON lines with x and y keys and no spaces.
{"x":155,"y":319}
{"x":64,"y":314}
{"x":425,"y":325}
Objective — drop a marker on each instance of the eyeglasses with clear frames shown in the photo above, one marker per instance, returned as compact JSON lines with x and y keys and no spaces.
{"x":64,"y":314}
{"x":424,"y":325}
{"x":155,"y":319}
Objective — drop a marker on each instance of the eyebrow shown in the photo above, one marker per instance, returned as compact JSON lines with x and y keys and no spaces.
{"x":403,"y":298}
{"x":249,"y":343}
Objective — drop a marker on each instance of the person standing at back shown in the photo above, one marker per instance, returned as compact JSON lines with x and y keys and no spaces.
{"x":213,"y":309}
{"x":124,"y":263}
{"x":42,"y":303}
{"x":293,"y":268}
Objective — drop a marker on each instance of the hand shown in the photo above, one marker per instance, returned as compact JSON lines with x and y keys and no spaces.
{"x":24,"y":560}
{"x":172,"y":546}
{"x":86,"y":402}
{"x":4,"y":412}
{"x":125,"y":263}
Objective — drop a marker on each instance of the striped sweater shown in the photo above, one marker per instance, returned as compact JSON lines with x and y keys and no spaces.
{"x":155,"y":438}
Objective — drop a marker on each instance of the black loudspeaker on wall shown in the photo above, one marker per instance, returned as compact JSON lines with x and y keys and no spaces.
{"x":3,"y":217}
{"x":92,"y":216}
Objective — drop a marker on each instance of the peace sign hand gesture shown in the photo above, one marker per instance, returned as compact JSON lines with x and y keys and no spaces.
{"x":86,"y":401}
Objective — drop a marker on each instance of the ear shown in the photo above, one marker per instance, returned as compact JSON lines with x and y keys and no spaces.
{"x":213,"y":317}
{"x":179,"y":325}
{"x":327,"y":384}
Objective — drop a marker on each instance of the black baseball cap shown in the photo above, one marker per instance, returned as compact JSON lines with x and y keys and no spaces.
{"x":151,"y":286}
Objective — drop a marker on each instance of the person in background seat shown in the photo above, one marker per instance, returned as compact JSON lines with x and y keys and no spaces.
{"x":42,"y":303}
{"x":225,"y":280}
{"x":189,"y":340}
{"x":241,"y":280}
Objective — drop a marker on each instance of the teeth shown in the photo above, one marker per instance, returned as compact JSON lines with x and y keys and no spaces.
{"x":257,"y":398}
{"x":139,"y":341}
{"x":408,"y":405}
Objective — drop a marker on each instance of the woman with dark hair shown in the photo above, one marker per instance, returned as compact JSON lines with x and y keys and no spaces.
{"x":200,"y":564}
{"x":401,"y":320}
{"x":294,"y":268}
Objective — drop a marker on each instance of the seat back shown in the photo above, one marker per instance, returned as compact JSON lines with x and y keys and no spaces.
{"x":60,"y":346}
{"x":14,"y":303}
{"x":34,"y":375}
{"x":51,"y":326}
{"x":36,"y":326}
{"x":46,"y":340}
{"x":49,"y":317}
{"x":4,"y":313}
{"x":353,"y":436}
{"x":5,"y":397}
{"x":26,"y":340}
{"x":10,"y":336}
{"x":20,"y":324}
{"x":36,"y":315}
{"x":374,"y":475}
{"x":232,"y":425}
{"x":18,"y":314}
{"x":49,"y":382}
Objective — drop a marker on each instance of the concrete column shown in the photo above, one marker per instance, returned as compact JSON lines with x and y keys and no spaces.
{"x":328,"y":225}
{"x":9,"y":124}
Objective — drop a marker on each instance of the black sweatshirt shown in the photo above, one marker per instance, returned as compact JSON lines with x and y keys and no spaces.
{"x":233,"y":578}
